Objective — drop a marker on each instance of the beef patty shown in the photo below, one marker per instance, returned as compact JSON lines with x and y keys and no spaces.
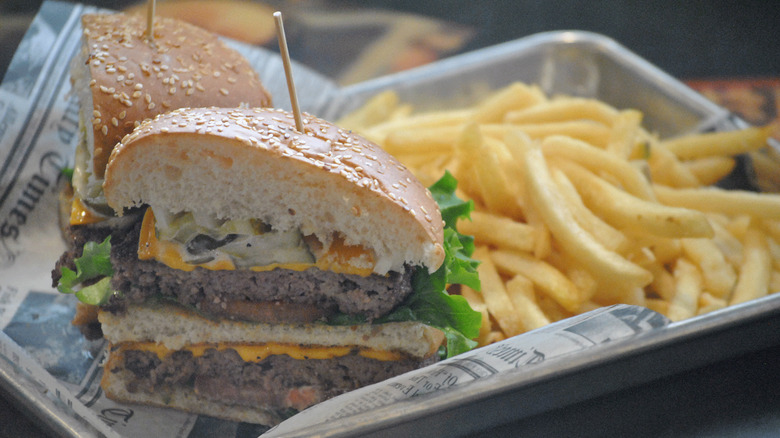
{"x":278,"y":295}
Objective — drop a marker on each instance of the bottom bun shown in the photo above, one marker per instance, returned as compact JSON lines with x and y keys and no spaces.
{"x":218,"y":381}
{"x":181,"y":398}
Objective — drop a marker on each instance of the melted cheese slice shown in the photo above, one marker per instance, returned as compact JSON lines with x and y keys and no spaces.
{"x":81,"y":215}
{"x":171,"y":254}
{"x":258,"y":352}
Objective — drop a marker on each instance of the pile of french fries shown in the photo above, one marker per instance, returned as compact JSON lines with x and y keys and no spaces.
{"x":578,"y":206}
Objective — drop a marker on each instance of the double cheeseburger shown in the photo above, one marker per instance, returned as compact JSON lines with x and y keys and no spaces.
{"x":270,"y":268}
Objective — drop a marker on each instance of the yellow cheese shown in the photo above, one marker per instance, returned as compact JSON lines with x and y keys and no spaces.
{"x":258,"y":352}
{"x":337,"y":259}
{"x":81,"y":215}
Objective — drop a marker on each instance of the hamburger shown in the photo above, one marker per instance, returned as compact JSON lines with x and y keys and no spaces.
{"x":269,"y":269}
{"x":121,"y":78}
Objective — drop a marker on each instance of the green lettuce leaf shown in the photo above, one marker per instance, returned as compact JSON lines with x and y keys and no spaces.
{"x":430,"y":302}
{"x":94,"y":264}
{"x":68,"y":173}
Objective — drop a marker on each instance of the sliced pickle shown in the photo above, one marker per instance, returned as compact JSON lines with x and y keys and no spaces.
{"x":267,"y":249}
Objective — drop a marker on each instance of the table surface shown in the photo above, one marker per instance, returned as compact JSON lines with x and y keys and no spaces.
{"x":718,"y":47}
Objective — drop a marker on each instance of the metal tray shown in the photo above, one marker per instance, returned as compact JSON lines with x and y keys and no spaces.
{"x":587,"y":65}
{"x":574,"y":63}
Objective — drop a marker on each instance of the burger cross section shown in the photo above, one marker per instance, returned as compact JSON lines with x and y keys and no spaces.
{"x":240,"y":267}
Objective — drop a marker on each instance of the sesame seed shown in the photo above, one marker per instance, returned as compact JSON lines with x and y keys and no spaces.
{"x":104,"y":130}
{"x":224,"y":91}
{"x":114,"y":121}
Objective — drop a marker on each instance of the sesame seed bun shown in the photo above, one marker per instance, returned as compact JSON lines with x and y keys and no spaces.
{"x":122,"y":78}
{"x":254,"y":163}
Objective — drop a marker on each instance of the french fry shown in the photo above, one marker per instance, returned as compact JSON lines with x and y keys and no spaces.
{"x":493,"y":183}
{"x":564,"y":109}
{"x":663,"y":282}
{"x":719,"y":276}
{"x":514,"y":97}
{"x":521,"y":293}
{"x":685,"y":301}
{"x":738,"y":225}
{"x":625,"y":211}
{"x":477,"y":303}
{"x":774,"y":282}
{"x":453,"y":119}
{"x":755,"y":271}
{"x":727,"y":143}
{"x":421,"y":141}
{"x":608,"y":236}
{"x":495,"y":295}
{"x":593,"y":133}
{"x":546,"y":198}
{"x":667,"y":169}
{"x":709,"y":170}
{"x":709,"y":303}
{"x":625,"y":132}
{"x":664,"y":249}
{"x":586,"y":285}
{"x":729,"y":245}
{"x":730,"y":202}
{"x":378,"y":109}
{"x":545,"y":277}
{"x":658,"y":305}
{"x":766,"y":166}
{"x":500,"y":231}
{"x":467,"y":149}
{"x":596,"y":160}
{"x":774,"y":252}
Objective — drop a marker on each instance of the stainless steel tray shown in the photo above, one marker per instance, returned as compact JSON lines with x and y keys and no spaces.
{"x":575,"y":63}
{"x":566,"y":62}
{"x":588,"y":65}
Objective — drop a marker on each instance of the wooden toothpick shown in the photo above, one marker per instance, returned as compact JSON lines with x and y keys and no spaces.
{"x":151,"y":4}
{"x":288,"y":70}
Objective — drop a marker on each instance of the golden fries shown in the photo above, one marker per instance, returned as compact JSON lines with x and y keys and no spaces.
{"x":578,"y":206}
{"x":719,"y":144}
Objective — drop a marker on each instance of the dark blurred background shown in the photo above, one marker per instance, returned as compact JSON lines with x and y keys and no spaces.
{"x":691,"y":39}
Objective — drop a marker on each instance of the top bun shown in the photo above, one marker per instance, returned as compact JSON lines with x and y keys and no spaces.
{"x":132,"y":79}
{"x":254,"y":163}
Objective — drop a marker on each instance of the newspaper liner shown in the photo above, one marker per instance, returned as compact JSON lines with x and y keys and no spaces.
{"x":54,"y":372}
